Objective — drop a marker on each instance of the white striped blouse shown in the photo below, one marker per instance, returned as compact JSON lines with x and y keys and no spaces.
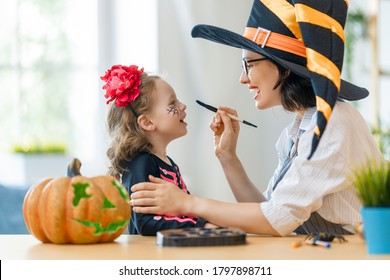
{"x":320,"y":184}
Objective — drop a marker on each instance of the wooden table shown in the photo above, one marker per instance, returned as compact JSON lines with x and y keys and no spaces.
{"x":127,"y":247}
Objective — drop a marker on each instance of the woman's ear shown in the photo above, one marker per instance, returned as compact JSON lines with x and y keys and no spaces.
{"x":145,"y":123}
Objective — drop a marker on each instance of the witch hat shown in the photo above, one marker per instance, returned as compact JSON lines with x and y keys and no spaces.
{"x":305,"y":36}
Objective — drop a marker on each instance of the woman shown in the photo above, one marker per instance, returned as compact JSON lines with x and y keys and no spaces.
{"x":292,"y":56}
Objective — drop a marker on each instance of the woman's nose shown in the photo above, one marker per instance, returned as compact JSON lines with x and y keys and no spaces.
{"x":243,"y":78}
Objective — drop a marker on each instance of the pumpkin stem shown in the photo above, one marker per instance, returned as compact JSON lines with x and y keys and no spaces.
{"x":74,"y":168}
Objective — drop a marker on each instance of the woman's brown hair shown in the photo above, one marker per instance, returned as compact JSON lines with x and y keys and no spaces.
{"x":296,"y":92}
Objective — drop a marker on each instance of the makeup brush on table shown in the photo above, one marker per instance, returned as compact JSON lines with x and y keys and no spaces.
{"x":215,"y":110}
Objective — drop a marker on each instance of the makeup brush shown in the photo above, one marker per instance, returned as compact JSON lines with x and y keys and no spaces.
{"x":215,"y":110}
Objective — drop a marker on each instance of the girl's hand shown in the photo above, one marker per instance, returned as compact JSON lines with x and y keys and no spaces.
{"x":159,"y":197}
{"x":226,"y":133}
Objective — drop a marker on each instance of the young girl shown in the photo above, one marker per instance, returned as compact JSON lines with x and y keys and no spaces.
{"x":144,"y":116}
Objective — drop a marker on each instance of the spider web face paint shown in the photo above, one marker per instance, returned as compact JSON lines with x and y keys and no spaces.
{"x":174,"y":110}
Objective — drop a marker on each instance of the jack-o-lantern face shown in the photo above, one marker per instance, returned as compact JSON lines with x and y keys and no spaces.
{"x":77,"y":209}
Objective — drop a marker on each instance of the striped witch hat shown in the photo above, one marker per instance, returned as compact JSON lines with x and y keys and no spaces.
{"x":305,"y":36}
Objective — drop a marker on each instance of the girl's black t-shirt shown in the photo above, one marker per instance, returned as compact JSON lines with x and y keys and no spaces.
{"x":139,"y":169}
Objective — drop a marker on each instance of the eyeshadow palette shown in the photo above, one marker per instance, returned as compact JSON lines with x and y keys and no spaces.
{"x":187,"y":237}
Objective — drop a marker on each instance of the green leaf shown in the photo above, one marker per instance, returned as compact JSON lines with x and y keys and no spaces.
{"x":372,"y":182}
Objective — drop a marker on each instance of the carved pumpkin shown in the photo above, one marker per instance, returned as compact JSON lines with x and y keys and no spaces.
{"x":77,"y":209}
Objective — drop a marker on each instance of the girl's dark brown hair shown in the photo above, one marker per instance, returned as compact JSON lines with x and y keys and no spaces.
{"x":127,"y":137}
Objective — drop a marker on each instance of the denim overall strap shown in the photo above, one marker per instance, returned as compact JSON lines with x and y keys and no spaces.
{"x":289,"y":160}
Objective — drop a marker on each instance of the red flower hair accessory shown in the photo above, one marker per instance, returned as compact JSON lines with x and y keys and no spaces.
{"x":122,"y":84}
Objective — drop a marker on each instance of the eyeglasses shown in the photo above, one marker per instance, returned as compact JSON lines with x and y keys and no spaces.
{"x":245,"y":65}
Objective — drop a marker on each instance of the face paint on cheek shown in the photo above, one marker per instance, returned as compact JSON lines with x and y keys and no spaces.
{"x":173,"y":110}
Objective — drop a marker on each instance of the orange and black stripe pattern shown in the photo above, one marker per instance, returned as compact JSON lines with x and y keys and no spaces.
{"x":320,"y":25}
{"x":322,"y":28}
